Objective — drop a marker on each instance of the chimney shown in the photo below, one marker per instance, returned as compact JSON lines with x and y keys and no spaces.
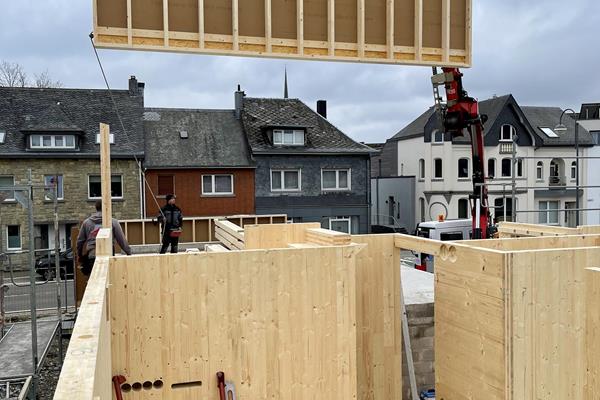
{"x":140,"y":88}
{"x":133,"y":86}
{"x":322,"y":108}
{"x":239,"y":102}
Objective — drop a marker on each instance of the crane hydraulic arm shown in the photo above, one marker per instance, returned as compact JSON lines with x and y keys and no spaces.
{"x":459,"y":115}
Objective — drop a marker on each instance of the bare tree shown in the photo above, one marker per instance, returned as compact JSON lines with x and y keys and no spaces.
{"x":43,"y":80}
{"x":12,"y":75}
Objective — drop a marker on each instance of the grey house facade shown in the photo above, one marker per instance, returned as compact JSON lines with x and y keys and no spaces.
{"x":305,"y":166}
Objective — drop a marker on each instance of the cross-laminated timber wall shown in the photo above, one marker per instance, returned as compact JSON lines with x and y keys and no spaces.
{"x":313,"y":322}
{"x":510,"y":317}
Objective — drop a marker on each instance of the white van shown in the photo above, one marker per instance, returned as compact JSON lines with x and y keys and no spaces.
{"x":448,"y":230}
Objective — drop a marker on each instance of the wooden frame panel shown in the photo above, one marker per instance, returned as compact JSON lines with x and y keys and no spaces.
{"x":419,"y":32}
{"x":593,"y":333}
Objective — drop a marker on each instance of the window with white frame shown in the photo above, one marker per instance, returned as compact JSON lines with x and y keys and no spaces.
{"x":335,"y":179}
{"x":95,"y":187}
{"x":539,"y":171}
{"x":111,"y":138}
{"x":214,"y":185}
{"x":463,"y":208}
{"x":13,"y":237}
{"x":438,"y":171}
{"x":340,"y":224}
{"x":2,"y":137}
{"x":288,"y":137}
{"x":492,"y":168}
{"x":6,"y":181}
{"x":520,"y":167}
{"x":506,"y":167}
{"x":52,"y":181}
{"x":283,"y":180}
{"x":549,"y":212}
{"x":422,"y":169}
{"x":574,"y":170}
{"x":52,"y":141}
{"x":507,"y":132}
{"x":437,"y":136}
{"x":463,"y":168}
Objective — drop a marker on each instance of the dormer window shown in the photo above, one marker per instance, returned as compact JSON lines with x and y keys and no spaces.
{"x":288,"y":137}
{"x":52,"y":142}
{"x":506,"y":133}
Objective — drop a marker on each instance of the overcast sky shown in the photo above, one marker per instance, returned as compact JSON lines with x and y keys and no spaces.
{"x":544,"y":52}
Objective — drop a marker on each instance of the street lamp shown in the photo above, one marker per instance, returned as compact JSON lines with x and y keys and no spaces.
{"x":562,"y":128}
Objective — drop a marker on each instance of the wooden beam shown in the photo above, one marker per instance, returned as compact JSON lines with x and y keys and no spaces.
{"x":105,"y":177}
{"x":360,"y":27}
{"x":415,"y":243}
{"x":300,"y":25}
{"x":201,"y":24}
{"x":268,"y":26}
{"x":166,"y":21}
{"x":95,"y":11}
{"x":418,"y":29}
{"x":469,"y":32}
{"x":215,"y":248}
{"x":331,"y":27}
{"x":129,"y":24}
{"x":104,"y":242}
{"x":446,"y":30}
{"x":235,"y":22}
{"x":390,"y":28}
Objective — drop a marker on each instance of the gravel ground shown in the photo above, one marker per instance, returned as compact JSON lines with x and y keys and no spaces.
{"x":51,"y":370}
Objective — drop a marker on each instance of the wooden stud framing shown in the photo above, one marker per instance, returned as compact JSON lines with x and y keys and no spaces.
{"x":390,"y":28}
{"x":331,"y":27}
{"x":300,"y":25}
{"x":105,"y":177}
{"x":469,"y":32}
{"x":201,"y":24}
{"x":268,"y":26}
{"x":236,"y":25}
{"x":166,"y":22}
{"x":446,"y":30}
{"x":354,"y":48}
{"x":418,"y":30}
{"x":129,"y":24}
{"x":360,"y":27}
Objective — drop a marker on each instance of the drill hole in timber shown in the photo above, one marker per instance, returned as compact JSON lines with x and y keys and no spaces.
{"x":126,"y":388}
{"x":158,"y":384}
{"x":147,"y":385}
{"x":186,"y":385}
{"x":136,"y":387}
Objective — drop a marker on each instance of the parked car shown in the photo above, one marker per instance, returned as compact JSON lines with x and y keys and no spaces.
{"x":44,"y":265}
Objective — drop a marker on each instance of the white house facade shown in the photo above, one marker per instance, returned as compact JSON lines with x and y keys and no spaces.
{"x":544,"y":171}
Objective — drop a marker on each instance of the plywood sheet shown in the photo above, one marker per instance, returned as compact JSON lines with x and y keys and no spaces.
{"x":183,"y":15}
{"x":112,"y":13}
{"x":147,"y":14}
{"x":593,"y":333}
{"x":379,"y":31}
{"x":272,"y":339}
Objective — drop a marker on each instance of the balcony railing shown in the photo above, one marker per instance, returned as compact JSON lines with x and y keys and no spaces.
{"x":557,"y":180}
{"x":506,"y":147}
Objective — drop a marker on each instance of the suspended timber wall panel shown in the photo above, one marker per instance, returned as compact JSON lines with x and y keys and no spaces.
{"x":419,"y":32}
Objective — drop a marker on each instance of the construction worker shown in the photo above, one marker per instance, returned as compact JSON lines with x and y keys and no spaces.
{"x":86,"y":241}
{"x":171,"y":219}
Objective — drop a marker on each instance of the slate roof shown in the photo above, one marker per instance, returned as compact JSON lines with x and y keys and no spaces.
{"x":491,"y":107}
{"x":75,"y":111}
{"x":548,"y":117}
{"x":321,"y":136}
{"x":215,"y":139}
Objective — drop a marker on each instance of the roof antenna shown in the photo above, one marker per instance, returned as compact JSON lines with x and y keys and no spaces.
{"x":285,"y":85}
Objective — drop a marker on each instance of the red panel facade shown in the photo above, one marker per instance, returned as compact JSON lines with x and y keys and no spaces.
{"x":187,"y":186}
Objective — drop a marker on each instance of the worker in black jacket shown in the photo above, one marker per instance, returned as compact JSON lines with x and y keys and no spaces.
{"x":171,"y":219}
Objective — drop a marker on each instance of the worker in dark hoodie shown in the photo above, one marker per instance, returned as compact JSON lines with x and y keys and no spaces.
{"x":171,"y":218}
{"x":86,"y":241}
